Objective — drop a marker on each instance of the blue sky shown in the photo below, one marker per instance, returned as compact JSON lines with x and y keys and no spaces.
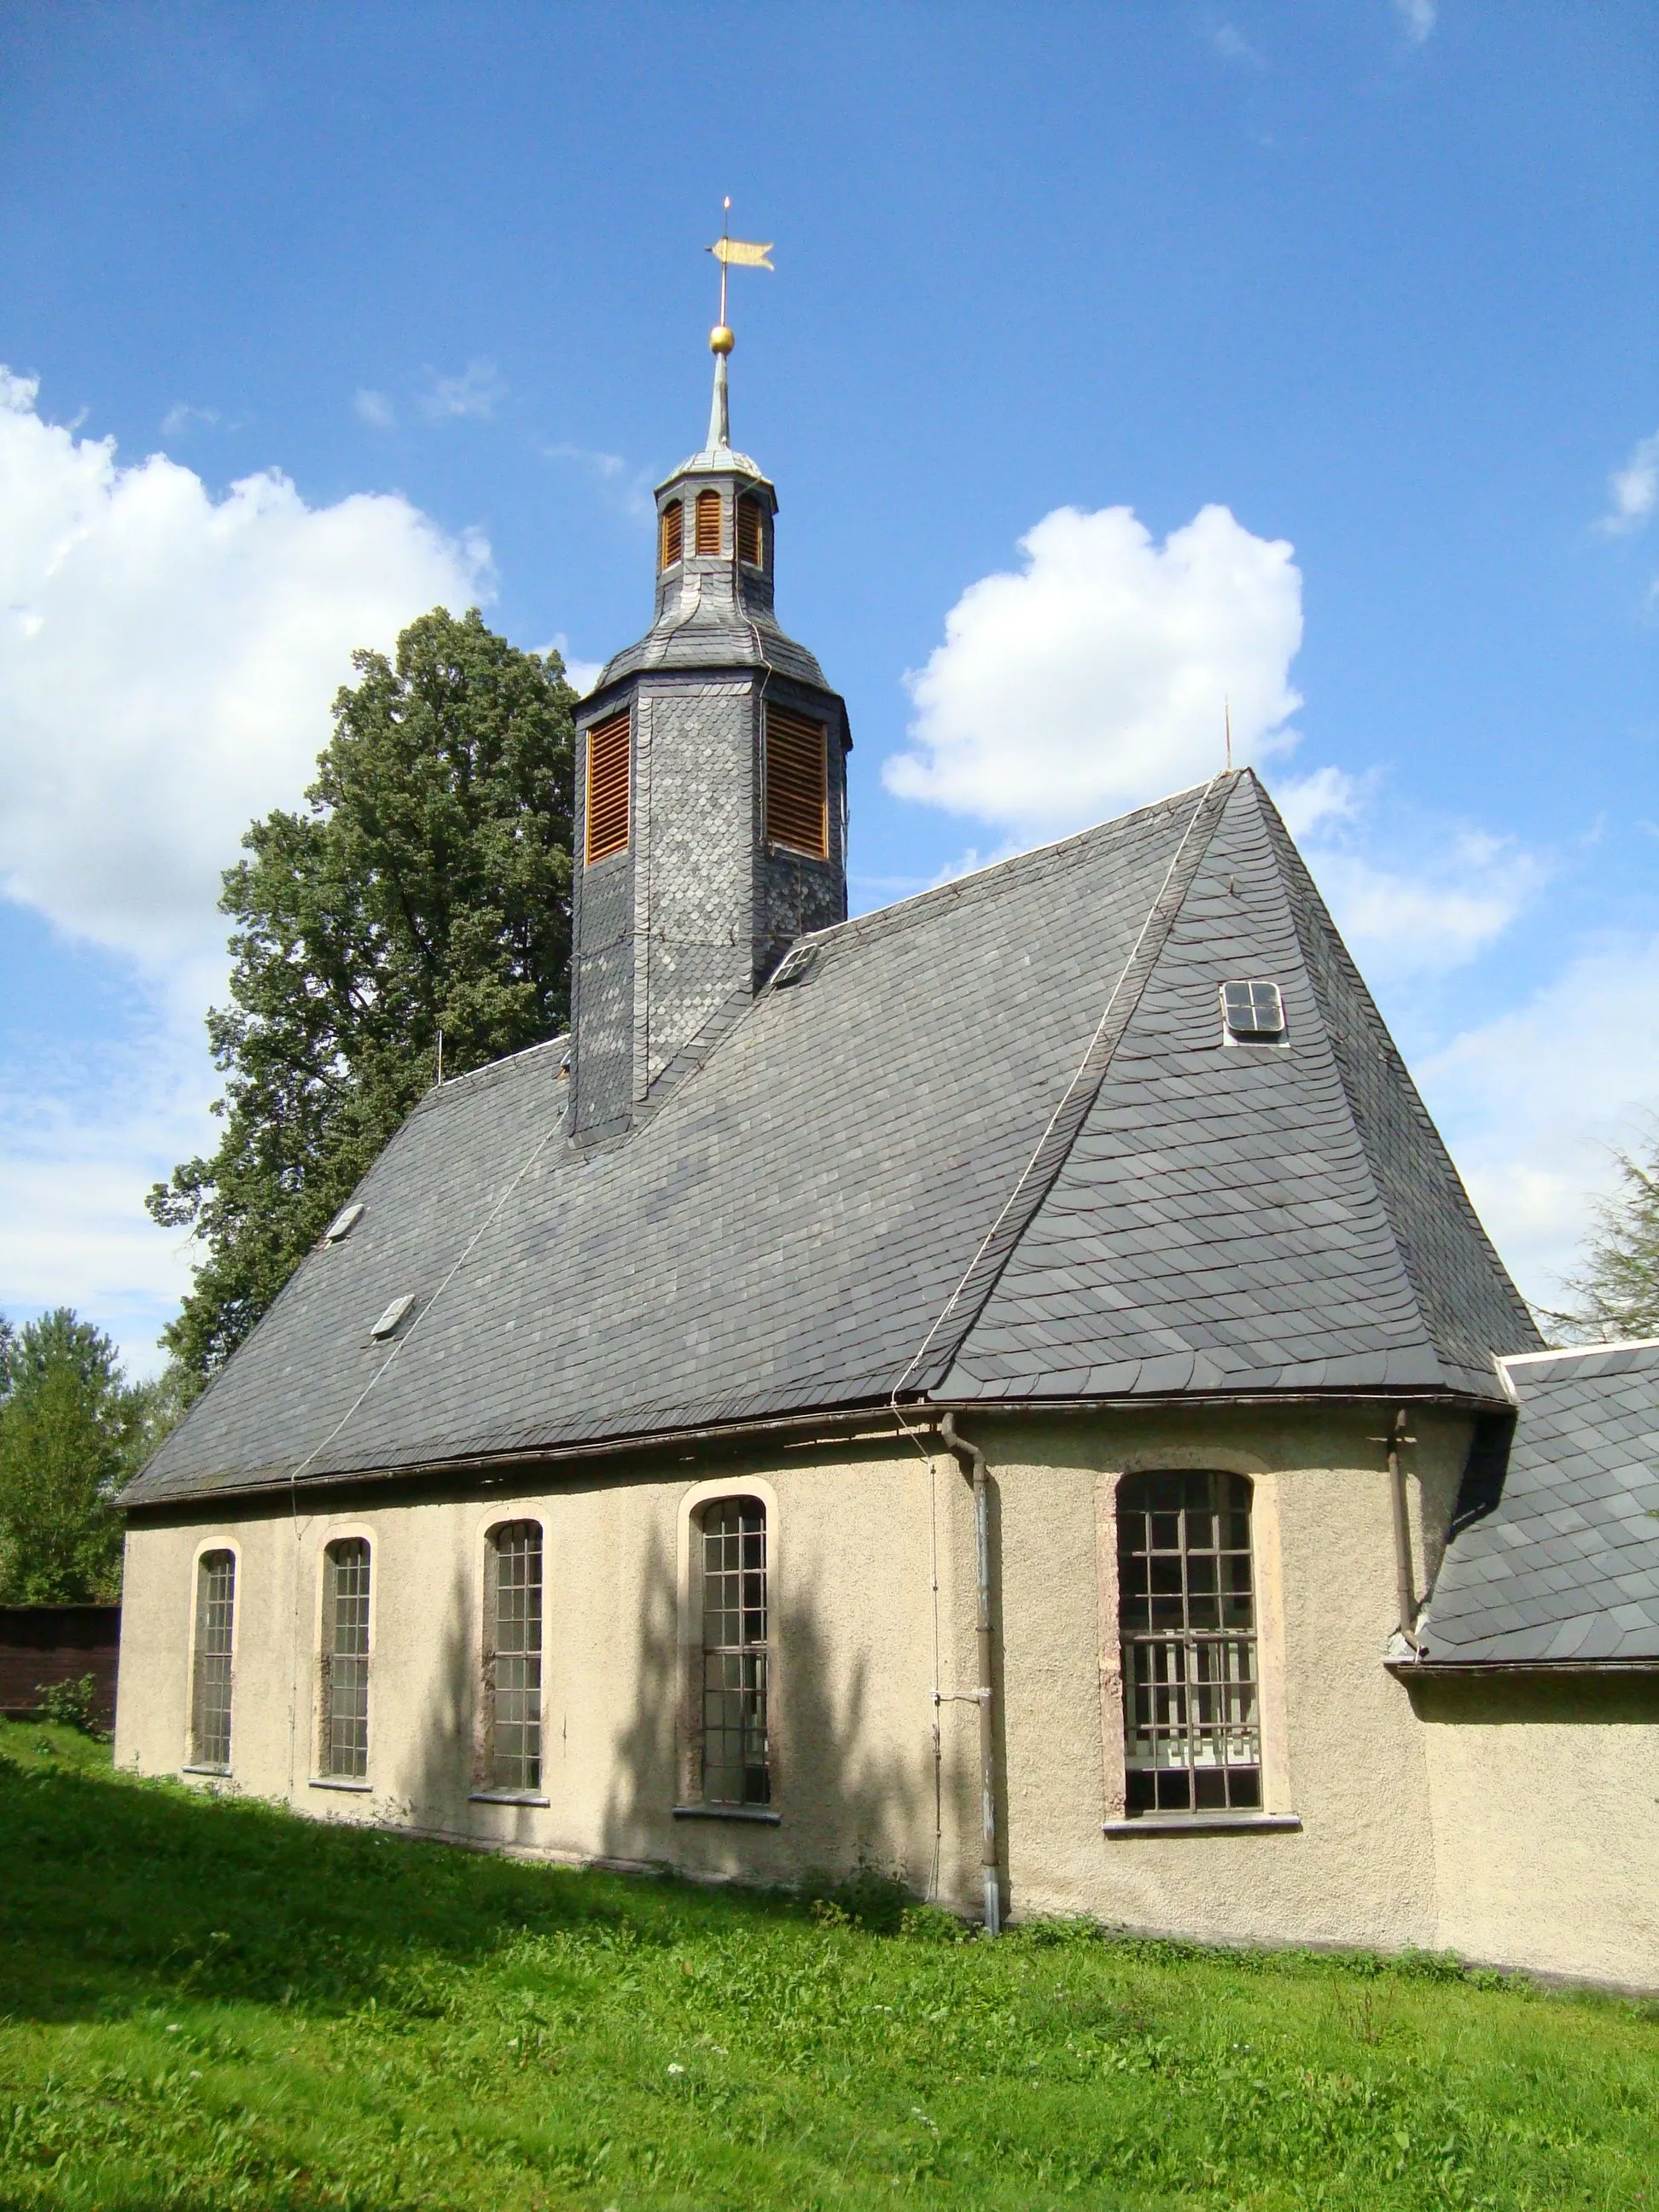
{"x":1378,"y":280}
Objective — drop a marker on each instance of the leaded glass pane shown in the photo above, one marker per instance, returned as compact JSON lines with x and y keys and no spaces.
{"x":736,"y":1756}
{"x":515,"y":1663}
{"x":215,"y":1609}
{"x":345,"y":1659}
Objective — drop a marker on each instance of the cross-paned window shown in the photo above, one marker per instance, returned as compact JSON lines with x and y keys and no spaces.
{"x":345,"y":1658}
{"x":1187,"y":1611}
{"x":709,"y":522}
{"x":215,"y":1621}
{"x":673,"y":534}
{"x":736,"y":1768}
{"x":1253,"y":1013}
{"x":608,"y":795}
{"x":797,"y":783}
{"x":513,"y":1662}
{"x":751,"y":532}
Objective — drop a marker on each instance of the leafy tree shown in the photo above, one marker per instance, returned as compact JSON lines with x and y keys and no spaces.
{"x":71,"y":1431}
{"x":426,"y":888}
{"x":1616,"y":1291}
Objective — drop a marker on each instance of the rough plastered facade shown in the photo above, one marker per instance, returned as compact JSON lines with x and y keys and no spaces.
{"x":1009,"y":1388}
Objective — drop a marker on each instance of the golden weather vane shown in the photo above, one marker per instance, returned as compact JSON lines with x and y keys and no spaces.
{"x":733,"y":253}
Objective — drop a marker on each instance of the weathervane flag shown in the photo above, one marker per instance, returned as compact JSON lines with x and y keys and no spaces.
{"x":741,"y":252}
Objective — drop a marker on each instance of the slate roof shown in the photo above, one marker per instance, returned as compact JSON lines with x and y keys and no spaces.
{"x":993,"y":1147}
{"x":1564,"y":1565}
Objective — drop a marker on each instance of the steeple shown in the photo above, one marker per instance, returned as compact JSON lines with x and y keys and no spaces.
{"x":710,"y":790}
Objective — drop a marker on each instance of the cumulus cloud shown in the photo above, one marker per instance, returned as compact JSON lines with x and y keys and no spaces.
{"x":1634,"y":489}
{"x":473,"y":394}
{"x":1094,"y":678}
{"x":1449,"y":907}
{"x":166,"y":665}
{"x":1418,"y":19}
{"x":1533,"y":1101}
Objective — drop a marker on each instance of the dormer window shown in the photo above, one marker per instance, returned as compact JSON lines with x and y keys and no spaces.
{"x":1252,"y":1013}
{"x":751,"y":532}
{"x":796,"y":784}
{"x":608,"y":795}
{"x":709,"y":522}
{"x":673,"y":534}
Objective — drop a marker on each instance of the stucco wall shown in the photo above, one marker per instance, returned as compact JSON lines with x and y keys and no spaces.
{"x":1545,"y":1803}
{"x":1517,"y":1837}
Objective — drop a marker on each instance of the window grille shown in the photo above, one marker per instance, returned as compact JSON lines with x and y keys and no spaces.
{"x":514,"y":1666}
{"x":1253,"y":1013}
{"x":215,"y":1620}
{"x":345,"y":1658}
{"x":608,"y":798}
{"x":736,"y":1759}
{"x":673,"y":533}
{"x":797,"y":783}
{"x":1187,"y":1607}
{"x":709,"y":522}
{"x":751,"y":532}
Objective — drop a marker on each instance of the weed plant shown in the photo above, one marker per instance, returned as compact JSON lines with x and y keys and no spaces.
{"x":209,"y":2004}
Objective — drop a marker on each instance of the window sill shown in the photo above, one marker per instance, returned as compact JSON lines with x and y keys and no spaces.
{"x":213,"y":1773}
{"x":758,"y":1815}
{"x":507,"y":1798}
{"x":336,"y":1782}
{"x":1201,"y":1824}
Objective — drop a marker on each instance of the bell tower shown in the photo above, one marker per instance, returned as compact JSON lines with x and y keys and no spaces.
{"x":711,"y":792}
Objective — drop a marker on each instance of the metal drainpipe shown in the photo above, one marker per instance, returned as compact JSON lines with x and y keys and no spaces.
{"x":1405,"y":1582}
{"x":971,"y":1460}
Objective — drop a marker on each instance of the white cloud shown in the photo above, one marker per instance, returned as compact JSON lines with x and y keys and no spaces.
{"x":1449,"y":907}
{"x":1095,"y":678}
{"x":374,"y":409}
{"x":625,"y":488}
{"x":473,"y":394}
{"x":178,"y":419}
{"x":1532,"y":1102}
{"x":1633,"y":490}
{"x":580,"y":675}
{"x":1418,"y":19}
{"x":167,"y":662}
{"x":1326,"y":796}
{"x":1230,"y":43}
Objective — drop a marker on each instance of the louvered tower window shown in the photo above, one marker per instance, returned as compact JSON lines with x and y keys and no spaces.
{"x":608,"y":787}
{"x":709,"y":522}
{"x":513,"y":1661}
{"x":751,"y":532}
{"x":344,"y":1730}
{"x":1187,"y":1608}
{"x":736,"y":1767}
{"x":672,"y":533}
{"x":209,"y":1698}
{"x":797,"y":783}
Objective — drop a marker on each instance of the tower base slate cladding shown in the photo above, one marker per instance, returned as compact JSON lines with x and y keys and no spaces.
{"x":688,"y":918}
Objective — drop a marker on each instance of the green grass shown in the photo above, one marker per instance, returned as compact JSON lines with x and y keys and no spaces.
{"x":215,"y":2004}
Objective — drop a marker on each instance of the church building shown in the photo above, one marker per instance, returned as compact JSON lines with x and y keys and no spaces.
{"x":1009,"y":1389}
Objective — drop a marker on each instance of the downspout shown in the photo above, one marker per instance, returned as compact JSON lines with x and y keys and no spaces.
{"x":1404,"y":1578}
{"x":971,"y":1460}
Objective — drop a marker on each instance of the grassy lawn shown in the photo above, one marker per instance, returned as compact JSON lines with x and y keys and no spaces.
{"x":206,"y":2005}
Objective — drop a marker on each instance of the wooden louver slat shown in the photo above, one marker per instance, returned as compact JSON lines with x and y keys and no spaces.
{"x":673,"y":533}
{"x":751,"y":535}
{"x":709,"y":522}
{"x":797,"y":783}
{"x":607,"y":787}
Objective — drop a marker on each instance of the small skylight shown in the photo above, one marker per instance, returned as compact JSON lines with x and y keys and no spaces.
{"x":1252,"y":1013}
{"x":343,"y":1222}
{"x":395,"y":1315}
{"x":796,"y":965}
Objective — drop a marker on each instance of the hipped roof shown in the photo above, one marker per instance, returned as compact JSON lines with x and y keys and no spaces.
{"x":846,"y":1186}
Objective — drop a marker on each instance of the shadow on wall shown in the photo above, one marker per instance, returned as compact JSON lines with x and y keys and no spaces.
{"x":441,"y":1761}
{"x":854,"y":1787}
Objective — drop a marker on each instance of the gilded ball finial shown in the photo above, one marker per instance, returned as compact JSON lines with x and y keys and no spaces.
{"x":720,"y":339}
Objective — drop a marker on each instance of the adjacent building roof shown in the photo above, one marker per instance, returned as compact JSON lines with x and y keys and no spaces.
{"x":994,"y":1146}
{"x":1560,"y":1560}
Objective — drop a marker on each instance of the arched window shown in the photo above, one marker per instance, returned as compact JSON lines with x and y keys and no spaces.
{"x":344,"y":1720}
{"x":737,"y":1767}
{"x":709,"y":522}
{"x":751,"y":532}
{"x":1187,"y":1613}
{"x":209,"y":1698}
{"x":513,"y":1657}
{"x":673,"y":534}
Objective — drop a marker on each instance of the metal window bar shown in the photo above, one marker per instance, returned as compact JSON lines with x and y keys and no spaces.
{"x":345,"y":1659}
{"x":1191,"y":1685}
{"x":515,"y":1658}
{"x":216,"y":1618}
{"x":736,"y":1768}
